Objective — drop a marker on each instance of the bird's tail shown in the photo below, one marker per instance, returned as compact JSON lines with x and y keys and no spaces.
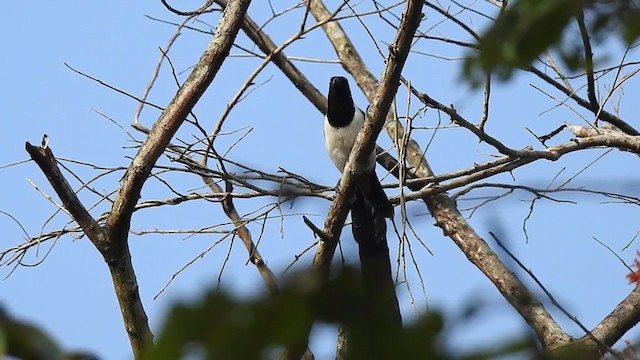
{"x":372,"y":191}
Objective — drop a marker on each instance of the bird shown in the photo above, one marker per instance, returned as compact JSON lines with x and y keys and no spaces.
{"x":342,"y":123}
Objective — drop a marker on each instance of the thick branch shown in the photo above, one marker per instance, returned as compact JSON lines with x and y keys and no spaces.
{"x":267,"y":46}
{"x":112,"y":243}
{"x":625,"y":316}
{"x":173,"y":116}
{"x":365,"y":143}
{"x":43,"y":156}
{"x":115,"y":254}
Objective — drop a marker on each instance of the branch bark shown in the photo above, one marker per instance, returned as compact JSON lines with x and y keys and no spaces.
{"x":444,"y":209}
{"x":111,"y":240}
{"x":173,"y":116}
{"x":44,"y":158}
{"x":625,"y":316}
{"x":365,"y":143}
{"x":115,"y":254}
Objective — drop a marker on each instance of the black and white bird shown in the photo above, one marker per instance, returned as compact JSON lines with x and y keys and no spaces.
{"x":341,"y":126}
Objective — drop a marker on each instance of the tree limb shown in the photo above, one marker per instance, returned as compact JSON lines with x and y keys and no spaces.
{"x":365,"y":143}
{"x":173,"y":116}
{"x":441,"y":206}
{"x":625,"y":316}
{"x":116,"y":255}
{"x":601,"y":113}
{"x":111,"y":241}
{"x":366,"y":138}
{"x":43,"y":156}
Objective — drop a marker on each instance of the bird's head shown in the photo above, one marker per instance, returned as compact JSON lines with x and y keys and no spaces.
{"x":339,"y":88}
{"x":340,"y":106}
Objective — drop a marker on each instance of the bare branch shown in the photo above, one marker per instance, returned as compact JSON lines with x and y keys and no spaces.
{"x":588,"y":62}
{"x":201,"y":10}
{"x":43,"y":156}
{"x":625,"y":316}
{"x":116,"y":255}
{"x":254,"y":255}
{"x":601,"y":113}
{"x":171,"y":119}
{"x":398,"y":52}
{"x":365,"y":142}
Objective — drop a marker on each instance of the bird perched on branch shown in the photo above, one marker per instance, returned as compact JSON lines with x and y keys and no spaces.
{"x":341,"y":126}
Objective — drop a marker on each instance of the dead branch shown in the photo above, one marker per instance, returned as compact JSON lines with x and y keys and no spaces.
{"x":442,"y":207}
{"x":111,"y":240}
{"x":254,"y":255}
{"x":279,"y":58}
{"x":625,"y":316}
{"x":43,"y":156}
{"x":116,"y":255}
{"x":365,"y":143}
{"x":201,"y":10}
{"x":600,"y":113}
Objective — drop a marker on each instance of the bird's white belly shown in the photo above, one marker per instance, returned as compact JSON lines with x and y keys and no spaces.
{"x":340,"y":141}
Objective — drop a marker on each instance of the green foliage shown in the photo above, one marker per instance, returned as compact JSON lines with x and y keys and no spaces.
{"x":220,"y":327}
{"x":22,"y":340}
{"x":527,"y":28}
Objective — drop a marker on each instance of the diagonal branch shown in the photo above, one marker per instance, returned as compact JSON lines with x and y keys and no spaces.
{"x":43,"y":156}
{"x":268,"y":47}
{"x":173,"y":116}
{"x":254,"y":255}
{"x":444,"y":209}
{"x":588,"y":61}
{"x":111,"y":241}
{"x":365,"y":142}
{"x":625,"y":316}
{"x":600,"y":113}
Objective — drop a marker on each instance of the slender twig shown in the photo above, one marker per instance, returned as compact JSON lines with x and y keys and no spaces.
{"x":573,"y":318}
{"x":588,"y":61}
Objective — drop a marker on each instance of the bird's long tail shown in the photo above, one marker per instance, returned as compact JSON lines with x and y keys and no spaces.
{"x":376,"y":195}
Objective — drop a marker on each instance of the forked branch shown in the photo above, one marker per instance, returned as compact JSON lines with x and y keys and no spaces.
{"x":365,"y":143}
{"x":111,"y":240}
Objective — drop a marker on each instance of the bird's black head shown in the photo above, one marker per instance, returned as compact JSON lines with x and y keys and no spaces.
{"x":340,"y":107}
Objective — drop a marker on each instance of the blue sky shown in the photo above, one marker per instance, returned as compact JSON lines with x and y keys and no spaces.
{"x":70,"y":293}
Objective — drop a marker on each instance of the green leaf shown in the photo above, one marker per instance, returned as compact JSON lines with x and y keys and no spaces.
{"x":521,"y":33}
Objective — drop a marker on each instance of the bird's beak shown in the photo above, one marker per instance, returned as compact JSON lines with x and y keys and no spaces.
{"x":338,"y":82}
